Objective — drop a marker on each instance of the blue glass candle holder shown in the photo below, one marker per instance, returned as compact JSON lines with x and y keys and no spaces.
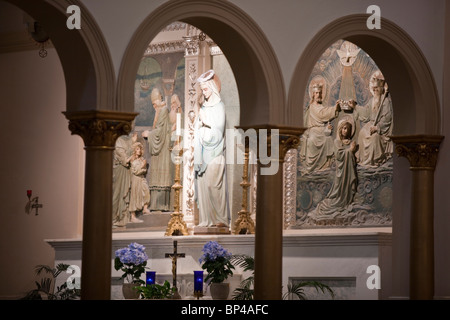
{"x":198,"y":284}
{"x":150,"y":277}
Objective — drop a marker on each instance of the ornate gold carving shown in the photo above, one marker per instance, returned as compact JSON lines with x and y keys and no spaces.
{"x":254,"y":188}
{"x":420,"y":150}
{"x":244,"y":223}
{"x":100,"y":128}
{"x":176,"y":225}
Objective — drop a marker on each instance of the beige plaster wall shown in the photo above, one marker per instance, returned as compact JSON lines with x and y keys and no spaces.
{"x":37,"y":153}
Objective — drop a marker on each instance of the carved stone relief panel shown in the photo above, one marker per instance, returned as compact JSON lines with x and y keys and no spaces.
{"x":344,"y":161}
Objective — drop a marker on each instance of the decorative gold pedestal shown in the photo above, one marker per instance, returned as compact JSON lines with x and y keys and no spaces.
{"x":176,"y":225}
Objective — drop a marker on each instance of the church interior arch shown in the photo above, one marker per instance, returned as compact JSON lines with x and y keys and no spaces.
{"x":171,"y":63}
{"x":403,"y":65}
{"x":416,"y":110}
{"x":256,"y":70}
{"x":83,"y":53}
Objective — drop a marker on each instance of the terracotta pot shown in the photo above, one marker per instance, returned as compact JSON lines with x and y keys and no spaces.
{"x":219,"y":291}
{"x":129,"y":292}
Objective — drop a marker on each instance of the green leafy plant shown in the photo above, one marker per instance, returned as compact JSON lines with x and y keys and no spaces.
{"x":156,"y":291}
{"x":298,"y":290}
{"x":45,"y":288}
{"x":245,"y":290}
{"x":216,"y":261}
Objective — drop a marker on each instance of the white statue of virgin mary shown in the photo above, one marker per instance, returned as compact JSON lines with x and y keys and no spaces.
{"x":209,"y":155}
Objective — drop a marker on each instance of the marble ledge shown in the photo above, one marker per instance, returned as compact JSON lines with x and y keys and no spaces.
{"x":380,"y":236}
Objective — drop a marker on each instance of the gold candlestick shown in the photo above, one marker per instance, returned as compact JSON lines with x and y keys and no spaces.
{"x":244,"y":223}
{"x":177,"y":226}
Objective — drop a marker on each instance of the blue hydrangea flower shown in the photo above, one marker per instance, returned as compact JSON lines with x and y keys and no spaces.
{"x":133,"y":254}
{"x":212,"y":251}
{"x":216,"y":260}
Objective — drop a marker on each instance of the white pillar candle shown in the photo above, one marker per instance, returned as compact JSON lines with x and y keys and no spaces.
{"x":178,"y":129}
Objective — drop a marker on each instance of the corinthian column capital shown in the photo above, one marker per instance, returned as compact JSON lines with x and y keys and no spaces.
{"x":420,"y":150}
{"x":100,"y":128}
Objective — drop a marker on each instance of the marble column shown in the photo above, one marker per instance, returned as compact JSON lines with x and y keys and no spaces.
{"x":99,"y":130}
{"x":269,"y":211}
{"x":421,"y":152}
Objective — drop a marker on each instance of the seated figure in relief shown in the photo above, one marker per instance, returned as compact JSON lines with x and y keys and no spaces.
{"x":316,"y":150}
{"x":376,"y":146}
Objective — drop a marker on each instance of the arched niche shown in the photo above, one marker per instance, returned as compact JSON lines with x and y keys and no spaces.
{"x":344,"y":71}
{"x":84,"y":55}
{"x":251,"y":57}
{"x":171,"y":63}
{"x":417,"y":109}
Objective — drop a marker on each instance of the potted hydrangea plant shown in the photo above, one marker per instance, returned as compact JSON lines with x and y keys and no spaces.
{"x":216,"y":261}
{"x":132,"y":260}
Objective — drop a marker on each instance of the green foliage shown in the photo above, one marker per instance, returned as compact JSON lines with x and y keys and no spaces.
{"x":131,"y":272}
{"x":298,"y":290}
{"x":46,"y":285}
{"x":245,"y":290}
{"x":132,"y":261}
{"x":216,"y":261}
{"x":156,"y":291}
{"x":218,"y":270}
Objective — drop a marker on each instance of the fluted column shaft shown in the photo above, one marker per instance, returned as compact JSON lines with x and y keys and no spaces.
{"x":269,"y":212}
{"x":99,"y":130}
{"x":422,"y":152}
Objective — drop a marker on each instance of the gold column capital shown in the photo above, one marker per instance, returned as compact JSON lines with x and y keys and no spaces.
{"x":100,"y":128}
{"x":420,"y":150}
{"x":289,"y":137}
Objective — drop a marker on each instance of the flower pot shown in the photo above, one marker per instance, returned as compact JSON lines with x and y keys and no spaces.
{"x":129,"y":292}
{"x":219,"y":291}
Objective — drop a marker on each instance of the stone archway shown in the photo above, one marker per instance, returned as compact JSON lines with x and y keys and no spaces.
{"x":402,"y":62}
{"x":90,"y":109}
{"x":413,"y":87}
{"x":255,"y":67}
{"x":261,"y":96}
{"x":84,"y":55}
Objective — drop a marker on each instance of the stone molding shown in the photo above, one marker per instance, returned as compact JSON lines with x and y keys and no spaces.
{"x":420,"y":150}
{"x":316,"y":238}
{"x":100,"y":128}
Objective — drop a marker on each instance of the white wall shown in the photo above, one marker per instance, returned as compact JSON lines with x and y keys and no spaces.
{"x":289,"y":25}
{"x":38,"y":153}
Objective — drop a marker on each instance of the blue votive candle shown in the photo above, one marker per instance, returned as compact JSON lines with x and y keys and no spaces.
{"x":150,"y":277}
{"x":198,"y":281}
